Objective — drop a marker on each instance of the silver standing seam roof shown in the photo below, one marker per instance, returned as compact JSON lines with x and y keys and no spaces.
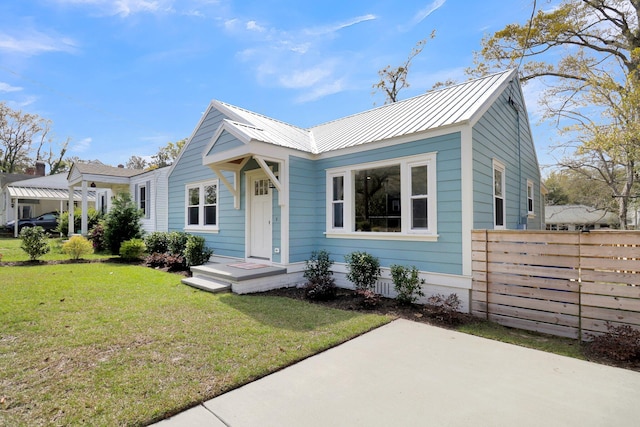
{"x":435,"y":109}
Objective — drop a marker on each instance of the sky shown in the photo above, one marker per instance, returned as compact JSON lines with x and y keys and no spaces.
{"x":123,"y":77}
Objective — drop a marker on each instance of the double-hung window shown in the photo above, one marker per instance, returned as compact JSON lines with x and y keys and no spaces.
{"x":530,"y":211}
{"x":202,"y":206}
{"x":499,"y":213}
{"x":393,"y":199}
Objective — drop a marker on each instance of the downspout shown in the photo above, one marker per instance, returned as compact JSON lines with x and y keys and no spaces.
{"x":516,"y":108}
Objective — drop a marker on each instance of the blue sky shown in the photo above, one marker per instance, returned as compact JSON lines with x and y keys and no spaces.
{"x":124,"y":77}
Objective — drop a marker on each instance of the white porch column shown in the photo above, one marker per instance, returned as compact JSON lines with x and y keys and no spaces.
{"x":15,"y":217}
{"x":83,"y":224}
{"x":71,"y":227}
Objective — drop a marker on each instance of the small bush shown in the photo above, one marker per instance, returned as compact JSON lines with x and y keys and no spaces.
{"x":407,"y":283}
{"x":364,"y":270}
{"x":368,"y":298}
{"x":320,"y":285}
{"x":169,"y":261}
{"x":621,"y":343}
{"x":77,"y":246}
{"x":131,"y":250}
{"x":93,"y":218}
{"x":177,"y":241}
{"x":445,"y":310}
{"x":96,"y":235}
{"x":122,"y":222}
{"x":157,"y":242}
{"x":196,"y":252}
{"x":34,"y":242}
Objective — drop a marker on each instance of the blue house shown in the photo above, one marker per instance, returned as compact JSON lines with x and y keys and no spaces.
{"x":406,"y":182}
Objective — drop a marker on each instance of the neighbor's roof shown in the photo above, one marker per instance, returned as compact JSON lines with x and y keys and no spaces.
{"x":43,"y":193}
{"x":58,"y":180}
{"x":99,"y":169}
{"x":578,"y":214}
{"x":435,"y":109}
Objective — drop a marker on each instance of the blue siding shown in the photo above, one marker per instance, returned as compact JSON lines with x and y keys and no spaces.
{"x":496,"y":136}
{"x":306,"y":212}
{"x":225,"y":142}
{"x":443,"y":256}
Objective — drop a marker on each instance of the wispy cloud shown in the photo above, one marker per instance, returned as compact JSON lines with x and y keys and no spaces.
{"x":6,"y":87}
{"x":322,"y":90}
{"x":423,"y":13}
{"x":33,"y":42}
{"x":124,"y":8}
{"x":81,"y":146}
{"x":332,"y":28}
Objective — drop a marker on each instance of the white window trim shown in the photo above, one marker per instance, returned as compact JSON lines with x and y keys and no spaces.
{"x":201,"y":228}
{"x":406,"y":163}
{"x":140,"y":199}
{"x":497,"y":165}
{"x":531,"y":212}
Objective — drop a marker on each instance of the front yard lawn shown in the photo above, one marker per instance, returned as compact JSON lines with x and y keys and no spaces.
{"x":10,"y":251}
{"x":112,"y":344}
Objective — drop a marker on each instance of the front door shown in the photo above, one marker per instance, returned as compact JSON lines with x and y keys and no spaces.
{"x":260,"y":217}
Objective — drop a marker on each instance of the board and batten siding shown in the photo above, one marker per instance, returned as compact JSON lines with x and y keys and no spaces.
{"x":442,"y":256}
{"x":495,"y":136}
{"x":229,"y":241}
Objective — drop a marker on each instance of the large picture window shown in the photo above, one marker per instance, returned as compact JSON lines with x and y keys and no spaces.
{"x":202,"y":205}
{"x":391,"y":198}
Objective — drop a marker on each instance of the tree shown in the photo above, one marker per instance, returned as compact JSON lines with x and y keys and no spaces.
{"x":394,"y":79}
{"x":136,"y":162}
{"x":579,"y":187}
{"x":594,"y":89}
{"x":122,"y":222}
{"x":168,"y":154}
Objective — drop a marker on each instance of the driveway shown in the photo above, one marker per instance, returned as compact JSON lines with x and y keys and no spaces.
{"x":412,"y":374}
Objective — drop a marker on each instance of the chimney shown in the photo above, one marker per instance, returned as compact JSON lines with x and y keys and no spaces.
{"x":30,"y":170}
{"x":40,"y":168}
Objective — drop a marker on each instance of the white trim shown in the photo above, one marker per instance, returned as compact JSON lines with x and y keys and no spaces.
{"x":248,"y":177}
{"x":407,"y":233}
{"x":499,"y":166}
{"x":466,"y":197}
{"x":531,"y":212}
{"x":200,"y":185}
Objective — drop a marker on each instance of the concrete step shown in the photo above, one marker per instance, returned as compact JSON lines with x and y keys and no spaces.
{"x":208,"y":285}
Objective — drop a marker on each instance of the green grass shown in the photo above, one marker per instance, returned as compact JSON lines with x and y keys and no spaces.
{"x":111,"y":344}
{"x":552,"y":344}
{"x":11,"y":251}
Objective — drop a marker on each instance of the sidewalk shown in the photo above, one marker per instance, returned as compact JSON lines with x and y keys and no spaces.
{"x":413,"y":374}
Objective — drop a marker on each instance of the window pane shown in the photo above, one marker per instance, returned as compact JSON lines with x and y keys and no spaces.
{"x":497,"y":182}
{"x":210,"y":195}
{"x":338,"y":215}
{"x":194,"y":196}
{"x":419,"y":180}
{"x":499,"y":210}
{"x":377,"y":206}
{"x":530,"y":205}
{"x":338,"y":188}
{"x":209,"y":215}
{"x":193,"y":216}
{"x":419,"y":214}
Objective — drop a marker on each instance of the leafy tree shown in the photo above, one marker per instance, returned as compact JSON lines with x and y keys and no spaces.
{"x":168,"y":154}
{"x":34,"y":242}
{"x":122,"y":222}
{"x":394,"y":79}
{"x":136,"y":162}
{"x":593,"y":89}
{"x":578,"y":187}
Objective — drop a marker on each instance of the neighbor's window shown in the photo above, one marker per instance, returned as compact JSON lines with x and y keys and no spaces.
{"x":202,"y":205}
{"x":142,"y":199}
{"x":529,"y":197}
{"x":389,"y":198}
{"x":498,"y":194}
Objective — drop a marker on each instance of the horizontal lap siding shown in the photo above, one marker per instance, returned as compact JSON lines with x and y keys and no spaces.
{"x":306,"y":213}
{"x":442,"y":256}
{"x":230,"y":240}
{"x":558,"y":283}
{"x":495,"y":136}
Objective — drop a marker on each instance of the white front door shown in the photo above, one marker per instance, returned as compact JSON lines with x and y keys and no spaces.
{"x":260,"y":217}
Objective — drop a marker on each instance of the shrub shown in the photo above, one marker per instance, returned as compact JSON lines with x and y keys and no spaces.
{"x":131,"y":250}
{"x":320,"y":285}
{"x":407,"y":283}
{"x":170,"y":261}
{"x":34,"y":242}
{"x":196,"y":252}
{"x":177,"y":241}
{"x":157,"y":242}
{"x":93,"y":218}
{"x":621,"y":343}
{"x":445,"y":310}
{"x":364,"y":270}
{"x":122,"y":222}
{"x":77,"y":246}
{"x":368,"y":298}
{"x":96,"y":235}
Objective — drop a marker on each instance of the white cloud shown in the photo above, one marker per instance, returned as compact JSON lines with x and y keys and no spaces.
{"x":332,"y":28}
{"x":321,"y":91}
{"x":125,"y":8}
{"x":81,"y":146}
{"x":33,"y":42}
{"x":307,"y":77}
{"x":6,"y":87}
{"x":254,"y":26}
{"x":422,"y":14}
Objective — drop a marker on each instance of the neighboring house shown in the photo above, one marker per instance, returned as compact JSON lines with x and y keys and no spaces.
{"x":578,"y":217}
{"x":148,"y":189}
{"x":406,"y":182}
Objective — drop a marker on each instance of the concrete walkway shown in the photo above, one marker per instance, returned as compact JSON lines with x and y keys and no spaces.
{"x":411,"y":374}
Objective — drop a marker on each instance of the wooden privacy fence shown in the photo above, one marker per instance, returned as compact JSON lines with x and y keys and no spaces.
{"x":562,"y":283}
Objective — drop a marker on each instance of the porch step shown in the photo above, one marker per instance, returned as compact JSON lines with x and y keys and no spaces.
{"x":205,"y":284}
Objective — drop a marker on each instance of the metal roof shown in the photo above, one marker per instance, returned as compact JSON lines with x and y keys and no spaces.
{"x":40,"y":193}
{"x":435,"y":109}
{"x":578,"y":214}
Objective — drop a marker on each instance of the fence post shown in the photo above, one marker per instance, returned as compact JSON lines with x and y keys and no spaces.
{"x":486,"y":274}
{"x":580,"y":287}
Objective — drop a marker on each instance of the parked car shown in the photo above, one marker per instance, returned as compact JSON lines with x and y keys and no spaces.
{"x":48,"y":221}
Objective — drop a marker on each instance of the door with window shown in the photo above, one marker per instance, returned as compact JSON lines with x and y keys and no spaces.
{"x":260,"y":212}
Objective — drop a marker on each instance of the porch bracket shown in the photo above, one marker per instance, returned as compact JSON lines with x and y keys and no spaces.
{"x":232,"y":189}
{"x":263,"y":164}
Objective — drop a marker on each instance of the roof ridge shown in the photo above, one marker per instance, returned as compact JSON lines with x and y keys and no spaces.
{"x":226,"y":104}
